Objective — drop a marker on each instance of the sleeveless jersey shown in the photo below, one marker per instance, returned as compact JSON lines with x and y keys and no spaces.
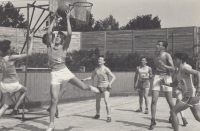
{"x":56,"y":57}
{"x":160,"y":70}
{"x":9,"y":72}
{"x":186,"y":84}
{"x":143,"y":72}
{"x":102,"y":77}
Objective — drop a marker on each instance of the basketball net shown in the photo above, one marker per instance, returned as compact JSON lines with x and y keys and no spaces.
{"x":80,"y":11}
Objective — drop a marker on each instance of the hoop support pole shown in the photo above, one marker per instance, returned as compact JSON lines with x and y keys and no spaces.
{"x":38,"y":20}
{"x":25,"y":81}
{"x":40,"y":7}
{"x":32,"y":17}
{"x":42,"y":22}
{"x":37,"y":36}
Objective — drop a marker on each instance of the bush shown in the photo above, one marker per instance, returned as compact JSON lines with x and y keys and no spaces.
{"x":116,"y":62}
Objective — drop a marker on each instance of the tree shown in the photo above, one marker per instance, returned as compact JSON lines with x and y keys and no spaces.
{"x":108,"y":23}
{"x":143,"y":22}
{"x":10,"y":16}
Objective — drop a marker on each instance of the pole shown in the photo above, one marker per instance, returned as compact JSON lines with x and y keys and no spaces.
{"x":172,"y":43}
{"x":25,"y":82}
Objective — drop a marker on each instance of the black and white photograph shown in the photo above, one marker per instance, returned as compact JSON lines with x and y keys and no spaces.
{"x":100,"y":65}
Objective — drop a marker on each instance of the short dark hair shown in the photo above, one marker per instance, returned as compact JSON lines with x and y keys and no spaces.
{"x":143,"y":57}
{"x":164,"y":43}
{"x":181,"y":56}
{"x":5,"y":45}
{"x":45,"y":37}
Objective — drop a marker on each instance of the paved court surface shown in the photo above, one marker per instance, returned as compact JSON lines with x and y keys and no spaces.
{"x":77,"y":116}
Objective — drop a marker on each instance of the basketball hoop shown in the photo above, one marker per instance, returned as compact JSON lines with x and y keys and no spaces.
{"x":80,"y":11}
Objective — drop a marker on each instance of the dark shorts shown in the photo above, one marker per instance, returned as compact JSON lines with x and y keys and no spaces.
{"x":102,"y":89}
{"x":143,"y":84}
{"x":191,"y":101}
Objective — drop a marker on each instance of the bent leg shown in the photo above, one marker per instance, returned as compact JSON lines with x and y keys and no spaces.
{"x":180,"y":106}
{"x":179,"y":98}
{"x":196,"y":112}
{"x":78,"y":83}
{"x":6,"y":98}
{"x":22,"y":91}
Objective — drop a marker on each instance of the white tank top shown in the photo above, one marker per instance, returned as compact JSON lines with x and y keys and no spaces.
{"x":186,"y":83}
{"x":143,"y":72}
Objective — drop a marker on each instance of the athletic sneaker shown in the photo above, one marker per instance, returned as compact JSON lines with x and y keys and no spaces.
{"x":153,"y":123}
{"x":139,"y":110}
{"x":146,"y":111}
{"x":96,"y":117}
{"x":50,"y":128}
{"x":15,"y":112}
{"x":184,"y":121}
{"x":108,"y":119}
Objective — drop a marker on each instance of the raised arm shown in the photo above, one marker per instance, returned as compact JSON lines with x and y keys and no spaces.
{"x":47,"y":38}
{"x":29,"y":53}
{"x":69,"y":33}
{"x":54,"y":19}
{"x":91,"y":77}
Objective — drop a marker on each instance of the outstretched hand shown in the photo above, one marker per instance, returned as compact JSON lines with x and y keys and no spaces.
{"x":68,"y":12}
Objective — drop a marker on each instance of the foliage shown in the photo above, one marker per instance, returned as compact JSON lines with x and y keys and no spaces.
{"x":10,"y":16}
{"x":108,"y":23}
{"x":143,"y":22}
{"x":76,"y":59}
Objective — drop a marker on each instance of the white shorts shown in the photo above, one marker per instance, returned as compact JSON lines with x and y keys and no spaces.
{"x":10,"y":87}
{"x":156,"y":83}
{"x":57,"y":77}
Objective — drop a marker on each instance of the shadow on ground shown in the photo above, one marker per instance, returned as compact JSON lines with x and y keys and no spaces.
{"x":84,"y":116}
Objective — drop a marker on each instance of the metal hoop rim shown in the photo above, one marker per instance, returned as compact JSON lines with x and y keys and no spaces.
{"x":90,"y":4}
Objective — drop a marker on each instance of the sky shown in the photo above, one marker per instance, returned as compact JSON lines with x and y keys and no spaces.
{"x":172,"y":13}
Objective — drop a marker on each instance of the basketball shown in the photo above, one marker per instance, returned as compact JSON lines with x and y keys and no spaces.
{"x":62,"y":9}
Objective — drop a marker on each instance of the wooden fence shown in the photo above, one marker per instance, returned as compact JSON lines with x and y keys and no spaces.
{"x":38,"y":85}
{"x":143,"y":41}
{"x":123,"y":41}
{"x":18,"y":36}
